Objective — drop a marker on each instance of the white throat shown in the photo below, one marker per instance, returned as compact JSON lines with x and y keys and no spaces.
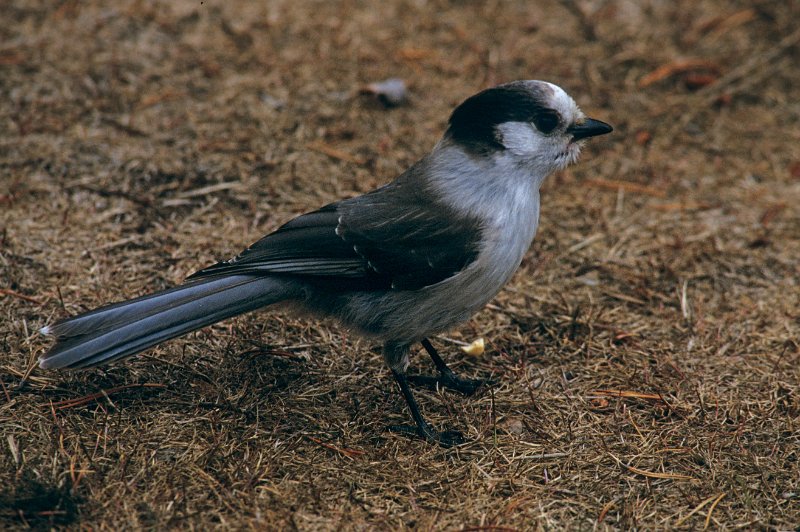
{"x":498,"y":189}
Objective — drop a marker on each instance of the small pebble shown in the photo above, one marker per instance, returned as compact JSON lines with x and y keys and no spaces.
{"x":391,"y":92}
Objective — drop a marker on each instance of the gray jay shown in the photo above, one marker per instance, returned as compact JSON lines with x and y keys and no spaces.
{"x":408,"y":260}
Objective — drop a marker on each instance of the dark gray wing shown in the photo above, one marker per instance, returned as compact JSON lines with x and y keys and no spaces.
{"x":384,"y":239}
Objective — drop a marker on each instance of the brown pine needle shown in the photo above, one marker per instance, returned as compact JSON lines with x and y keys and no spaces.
{"x":153,"y":99}
{"x":606,"y":508}
{"x":685,"y":206}
{"x":711,"y":510}
{"x":12,"y":293}
{"x":676,"y":67}
{"x":79,"y":401}
{"x":627,"y":186}
{"x":335,"y":153}
{"x":489,"y":528}
{"x":698,"y":508}
{"x":413,"y":54}
{"x":629,"y":394}
{"x":651,"y":474}
{"x":349,"y":453}
{"x":656,"y":474}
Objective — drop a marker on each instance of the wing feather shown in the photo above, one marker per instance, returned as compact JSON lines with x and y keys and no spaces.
{"x":380,"y":240}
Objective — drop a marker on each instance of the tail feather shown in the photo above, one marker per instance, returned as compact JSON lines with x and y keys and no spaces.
{"x":123,"y":329}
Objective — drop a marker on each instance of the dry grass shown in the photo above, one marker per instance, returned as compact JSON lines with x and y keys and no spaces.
{"x":646,"y":353}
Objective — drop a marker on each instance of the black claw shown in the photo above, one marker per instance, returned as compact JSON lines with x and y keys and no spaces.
{"x":450,"y":381}
{"x":449,"y":438}
{"x":447,"y":377}
{"x":446,"y":438}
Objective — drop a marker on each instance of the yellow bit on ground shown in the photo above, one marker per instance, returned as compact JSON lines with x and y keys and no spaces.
{"x":476,"y":348}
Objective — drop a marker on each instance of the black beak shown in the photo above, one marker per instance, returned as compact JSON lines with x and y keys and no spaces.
{"x":588,"y":128}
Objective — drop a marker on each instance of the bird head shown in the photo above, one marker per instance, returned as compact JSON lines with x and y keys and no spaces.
{"x":532,"y":123}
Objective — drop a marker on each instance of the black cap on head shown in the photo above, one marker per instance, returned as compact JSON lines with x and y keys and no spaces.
{"x":473,"y":122}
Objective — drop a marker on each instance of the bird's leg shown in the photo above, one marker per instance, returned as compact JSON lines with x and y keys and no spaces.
{"x":446,"y":438}
{"x":396,"y":356}
{"x":447,"y":377}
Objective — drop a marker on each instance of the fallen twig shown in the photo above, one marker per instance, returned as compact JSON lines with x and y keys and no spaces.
{"x":12,"y":293}
{"x":336,"y":153}
{"x":687,"y":206}
{"x":606,"y":507}
{"x":627,"y":186}
{"x":749,"y":73}
{"x":676,"y":67}
{"x":86,"y":399}
{"x":698,"y":508}
{"x":711,"y":510}
{"x":629,"y":394}
{"x":349,"y":453}
{"x":651,"y":474}
{"x":210,"y":189}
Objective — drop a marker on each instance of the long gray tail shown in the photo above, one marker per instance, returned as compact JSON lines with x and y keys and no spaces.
{"x":123,"y":329}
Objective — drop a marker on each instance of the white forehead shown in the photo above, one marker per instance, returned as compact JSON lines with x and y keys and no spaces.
{"x":560,"y":101}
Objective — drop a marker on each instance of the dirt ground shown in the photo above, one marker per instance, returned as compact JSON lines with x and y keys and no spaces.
{"x":646,"y":354}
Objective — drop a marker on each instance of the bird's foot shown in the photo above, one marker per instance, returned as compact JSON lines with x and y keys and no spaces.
{"x":447,"y":438}
{"x":451,"y":381}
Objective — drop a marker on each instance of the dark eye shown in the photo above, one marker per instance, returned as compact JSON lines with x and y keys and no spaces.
{"x":545,"y":122}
